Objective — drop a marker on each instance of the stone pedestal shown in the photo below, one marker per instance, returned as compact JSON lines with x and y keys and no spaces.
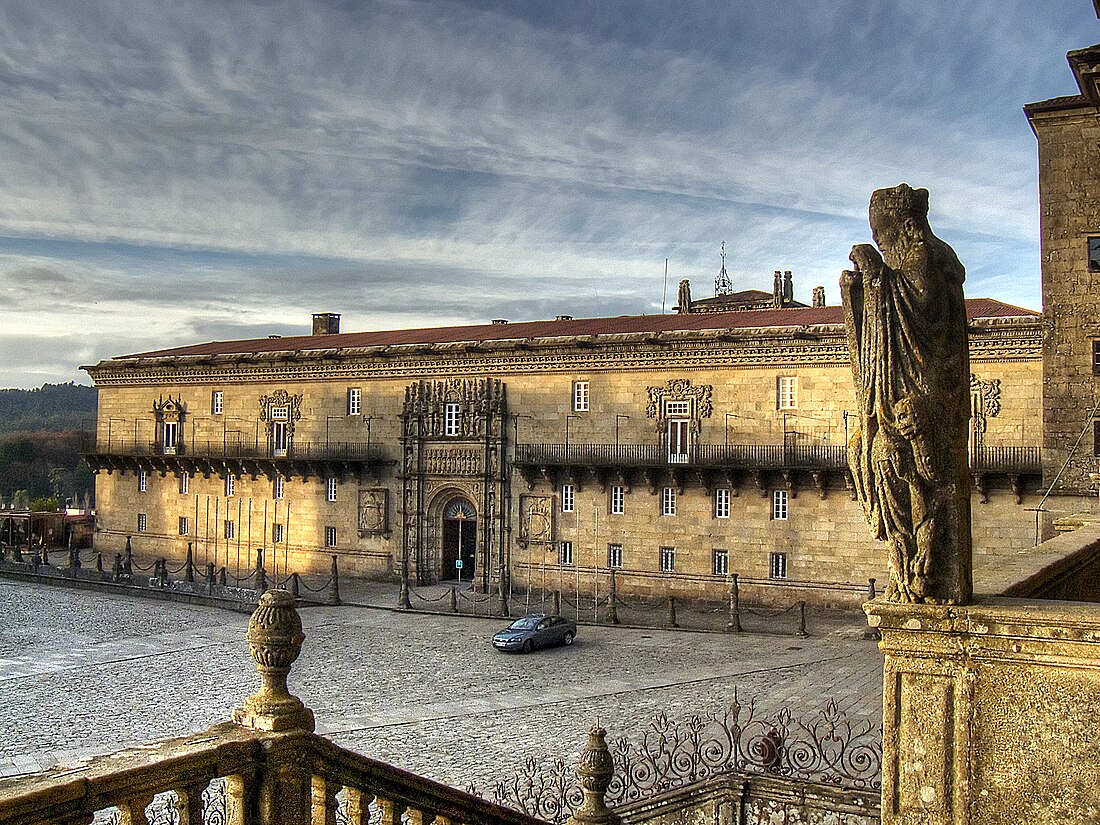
{"x":990,"y":712}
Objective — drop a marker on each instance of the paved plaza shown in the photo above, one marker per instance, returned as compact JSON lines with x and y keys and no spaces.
{"x":83,"y":673}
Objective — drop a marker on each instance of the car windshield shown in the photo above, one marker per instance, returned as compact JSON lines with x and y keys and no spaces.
{"x":526,"y":623}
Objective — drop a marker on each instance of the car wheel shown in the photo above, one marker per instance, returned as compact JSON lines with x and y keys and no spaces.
{"x":527,"y":646}
{"x":569,"y":638}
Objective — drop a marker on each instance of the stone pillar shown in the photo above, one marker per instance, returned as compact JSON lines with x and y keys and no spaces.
{"x":595,"y":771}
{"x":274,"y":639}
{"x":989,"y":712}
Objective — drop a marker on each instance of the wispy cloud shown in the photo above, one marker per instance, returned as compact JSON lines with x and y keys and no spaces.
{"x":202,"y":169}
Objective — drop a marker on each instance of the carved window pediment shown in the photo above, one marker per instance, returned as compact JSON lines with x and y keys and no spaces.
{"x":682,"y":398}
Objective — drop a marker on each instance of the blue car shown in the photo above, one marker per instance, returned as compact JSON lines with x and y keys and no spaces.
{"x":535,"y":630}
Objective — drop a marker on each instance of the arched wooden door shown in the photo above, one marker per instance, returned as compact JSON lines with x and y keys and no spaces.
{"x":459,"y":540}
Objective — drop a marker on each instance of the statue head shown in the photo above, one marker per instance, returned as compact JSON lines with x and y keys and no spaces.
{"x":899,"y":218}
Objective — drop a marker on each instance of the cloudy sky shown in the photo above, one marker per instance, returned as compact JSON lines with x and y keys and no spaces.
{"x":181,"y":172}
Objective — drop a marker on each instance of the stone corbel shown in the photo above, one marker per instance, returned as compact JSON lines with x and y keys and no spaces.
{"x":820,"y":482}
{"x":1017,"y":488}
{"x":979,"y":485}
{"x":788,"y":482}
{"x":761,"y":480}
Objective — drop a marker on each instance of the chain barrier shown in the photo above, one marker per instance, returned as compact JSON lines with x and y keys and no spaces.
{"x":306,"y":587}
{"x":438,"y":598}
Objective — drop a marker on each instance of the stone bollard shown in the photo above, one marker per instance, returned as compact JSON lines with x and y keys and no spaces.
{"x":557,"y":602}
{"x":162,"y":572}
{"x":454,"y":599}
{"x":295,"y":585}
{"x":872,"y":634}
{"x":128,"y":560}
{"x":403,"y":602}
{"x":223,"y":579}
{"x":612,"y":614}
{"x":210,"y":577}
{"x":734,"y":623}
{"x":261,"y":581}
{"x":189,"y":565}
{"x":334,"y":589}
{"x":275,"y":640}
{"x":74,"y":559}
{"x":99,"y":562}
{"x":595,"y":770}
{"x":116,"y":571}
{"x":670,"y":620}
{"x":802,"y":619}
{"x":502,"y":586}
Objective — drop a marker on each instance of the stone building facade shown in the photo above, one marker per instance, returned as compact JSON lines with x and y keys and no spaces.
{"x":677,"y":449}
{"x":1068,"y":129}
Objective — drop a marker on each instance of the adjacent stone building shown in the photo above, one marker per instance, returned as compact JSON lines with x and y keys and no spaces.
{"x":677,"y":449}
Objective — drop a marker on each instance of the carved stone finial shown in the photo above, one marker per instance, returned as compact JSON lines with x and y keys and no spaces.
{"x":907,"y":337}
{"x":595,"y":771}
{"x":274,"y":639}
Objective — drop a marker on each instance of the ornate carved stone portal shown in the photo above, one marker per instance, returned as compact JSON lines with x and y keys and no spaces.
{"x":453,"y":437}
{"x":907,"y":335}
{"x":985,"y":402}
{"x":679,"y":389}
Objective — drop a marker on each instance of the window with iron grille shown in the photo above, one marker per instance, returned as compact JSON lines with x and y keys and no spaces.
{"x":143,"y":481}
{"x":330,"y":489}
{"x":778,"y":566}
{"x":228,"y":531}
{"x":276,"y":533}
{"x":580,"y":396}
{"x":183,"y":525}
{"x":618,"y":501}
{"x":668,"y":501}
{"x":355,"y":400}
{"x":330,"y":537}
{"x":722,"y":502}
{"x":230,"y":485}
{"x":450,"y":419}
{"x":779,"y":505}
{"x":567,"y":498}
{"x":565,"y":552}
{"x":721,"y":562}
{"x":141,"y":522}
{"x":668,"y":559}
{"x":185,"y":482}
{"x":787,"y":392}
{"x":614,"y":556}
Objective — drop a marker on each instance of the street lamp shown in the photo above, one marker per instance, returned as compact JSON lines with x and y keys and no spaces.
{"x":618,"y":418}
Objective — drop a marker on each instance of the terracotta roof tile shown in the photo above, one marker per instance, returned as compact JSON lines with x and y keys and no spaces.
{"x":624,"y":324}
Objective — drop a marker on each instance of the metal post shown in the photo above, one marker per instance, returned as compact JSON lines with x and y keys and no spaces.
{"x":871,"y":633}
{"x":871,"y":590}
{"x":734,"y":623}
{"x":612,"y":614}
{"x":334,"y":591}
{"x":454,"y":599}
{"x":670,"y":620}
{"x":210,"y":575}
{"x":294,"y":585}
{"x":802,"y":619}
{"x":99,"y":562}
{"x":222,"y":577}
{"x":116,"y":571}
{"x":503,"y":589}
{"x":189,"y":565}
{"x":128,"y":561}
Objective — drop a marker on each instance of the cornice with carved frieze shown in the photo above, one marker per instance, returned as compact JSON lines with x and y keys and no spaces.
{"x":745,"y":349}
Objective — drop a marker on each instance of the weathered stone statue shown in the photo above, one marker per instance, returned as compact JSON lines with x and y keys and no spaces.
{"x":906,"y":324}
{"x":684,"y":298}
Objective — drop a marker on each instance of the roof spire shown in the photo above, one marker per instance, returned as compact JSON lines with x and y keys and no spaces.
{"x":722,"y":283}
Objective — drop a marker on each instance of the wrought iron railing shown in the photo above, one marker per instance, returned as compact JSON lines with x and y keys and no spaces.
{"x":748,"y":456}
{"x":237,"y":448}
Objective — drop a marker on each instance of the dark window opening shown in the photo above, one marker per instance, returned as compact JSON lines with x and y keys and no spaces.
{"x":1094,"y":254}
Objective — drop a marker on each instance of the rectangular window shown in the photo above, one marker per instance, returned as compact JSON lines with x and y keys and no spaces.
{"x":580,"y":396}
{"x":216,"y":402}
{"x":779,"y":505}
{"x":450,"y":419}
{"x":567,"y":498}
{"x":1096,"y":357}
{"x":679,"y":440}
{"x":277,"y":487}
{"x":141,"y":522}
{"x":722,"y":502}
{"x":330,"y":537}
{"x":185,"y":482}
{"x":614,"y":556}
{"x":1094,"y":254}
{"x":355,"y":401}
{"x":276,"y":533}
{"x":565,"y":552}
{"x":183,"y":525}
{"x":330,"y":489}
{"x":228,"y":531}
{"x":170,"y":436}
{"x":778,"y":568}
{"x":668,"y":501}
{"x":280,"y":440}
{"x":618,"y":500}
{"x":787,"y":392}
{"x":721,"y":562}
{"x":668,"y":559}
{"x":677,"y":409}
{"x":143,"y":481}
{"x":230,"y":485}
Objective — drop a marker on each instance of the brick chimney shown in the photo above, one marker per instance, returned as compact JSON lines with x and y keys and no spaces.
{"x":326,"y":323}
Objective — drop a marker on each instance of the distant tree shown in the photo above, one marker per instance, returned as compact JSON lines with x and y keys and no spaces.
{"x":45,"y":505}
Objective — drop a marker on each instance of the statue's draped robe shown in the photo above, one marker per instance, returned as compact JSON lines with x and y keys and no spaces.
{"x":907,"y":335}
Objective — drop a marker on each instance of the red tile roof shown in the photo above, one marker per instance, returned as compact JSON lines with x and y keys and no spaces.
{"x":623,"y":324}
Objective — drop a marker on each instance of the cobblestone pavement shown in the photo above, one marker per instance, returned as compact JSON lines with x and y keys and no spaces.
{"x":84,"y":673}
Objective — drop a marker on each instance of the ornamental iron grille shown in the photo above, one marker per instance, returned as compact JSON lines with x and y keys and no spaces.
{"x":827,"y":748}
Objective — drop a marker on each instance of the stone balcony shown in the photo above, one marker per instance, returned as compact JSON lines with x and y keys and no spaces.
{"x":766,"y":466}
{"x":305,"y":459}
